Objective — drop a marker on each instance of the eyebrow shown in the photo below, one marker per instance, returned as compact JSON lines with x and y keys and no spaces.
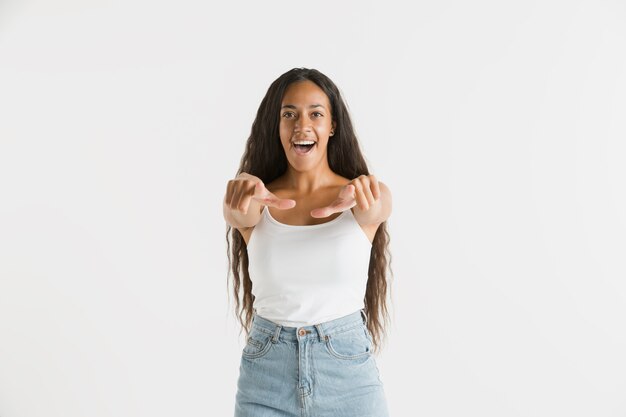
{"x":291,"y":106}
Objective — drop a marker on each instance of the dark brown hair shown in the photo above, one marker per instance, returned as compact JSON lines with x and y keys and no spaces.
{"x":265,"y":158}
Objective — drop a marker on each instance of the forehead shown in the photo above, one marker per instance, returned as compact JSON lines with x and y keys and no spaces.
{"x":305,"y":92}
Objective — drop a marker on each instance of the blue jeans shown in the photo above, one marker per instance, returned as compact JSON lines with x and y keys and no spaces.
{"x":322,"y":370}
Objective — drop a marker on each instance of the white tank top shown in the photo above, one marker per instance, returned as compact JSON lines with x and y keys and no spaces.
{"x":305,"y":275}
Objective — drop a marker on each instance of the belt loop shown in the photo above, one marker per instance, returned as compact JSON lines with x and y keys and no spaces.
{"x":320,"y":332}
{"x":276,"y":333}
{"x":364,"y":316}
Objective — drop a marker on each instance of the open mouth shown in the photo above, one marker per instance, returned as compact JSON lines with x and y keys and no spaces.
{"x":304,"y":149}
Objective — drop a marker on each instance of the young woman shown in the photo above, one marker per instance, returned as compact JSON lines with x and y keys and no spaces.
{"x":308,"y":227}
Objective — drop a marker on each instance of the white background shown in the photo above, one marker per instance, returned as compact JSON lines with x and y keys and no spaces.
{"x":498,"y":126}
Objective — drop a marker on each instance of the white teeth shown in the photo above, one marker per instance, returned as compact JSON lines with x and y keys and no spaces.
{"x":304,"y":142}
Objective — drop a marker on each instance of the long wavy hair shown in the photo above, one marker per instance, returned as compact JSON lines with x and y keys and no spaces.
{"x":265,"y":158}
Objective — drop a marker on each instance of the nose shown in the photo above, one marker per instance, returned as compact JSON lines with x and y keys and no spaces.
{"x":302,"y":124}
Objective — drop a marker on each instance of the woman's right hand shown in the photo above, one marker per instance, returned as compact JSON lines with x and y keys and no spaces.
{"x":246,"y":188}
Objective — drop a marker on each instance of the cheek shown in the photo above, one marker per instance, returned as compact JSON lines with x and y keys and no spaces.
{"x":285,"y":128}
{"x":285,"y":137}
{"x":322,"y":126}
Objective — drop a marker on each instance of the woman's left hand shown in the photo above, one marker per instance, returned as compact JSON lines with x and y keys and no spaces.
{"x":363,"y":191}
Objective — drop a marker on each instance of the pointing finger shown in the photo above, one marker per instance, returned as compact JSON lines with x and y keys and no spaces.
{"x":267,"y":198}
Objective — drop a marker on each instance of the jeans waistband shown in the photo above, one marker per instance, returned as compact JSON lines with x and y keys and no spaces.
{"x":314,"y":331}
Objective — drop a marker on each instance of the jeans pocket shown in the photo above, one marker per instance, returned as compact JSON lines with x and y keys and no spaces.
{"x":258,"y":343}
{"x":350,"y":344}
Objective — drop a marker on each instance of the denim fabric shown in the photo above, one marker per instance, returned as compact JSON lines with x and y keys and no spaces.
{"x":322,"y":370}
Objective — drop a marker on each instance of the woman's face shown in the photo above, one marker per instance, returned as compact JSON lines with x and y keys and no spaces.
{"x":305,"y":115}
